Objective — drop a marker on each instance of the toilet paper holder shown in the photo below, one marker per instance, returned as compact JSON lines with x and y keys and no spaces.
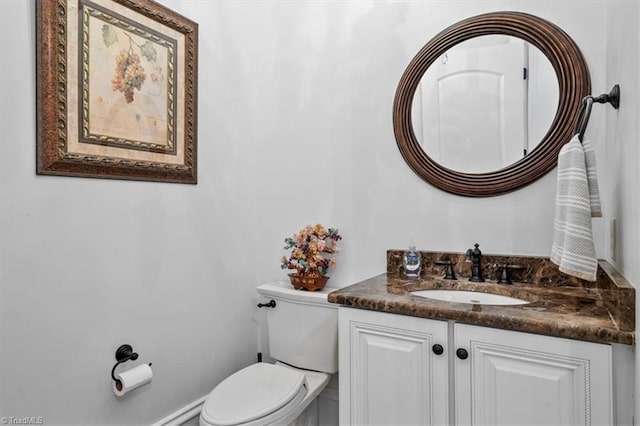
{"x":123,"y":354}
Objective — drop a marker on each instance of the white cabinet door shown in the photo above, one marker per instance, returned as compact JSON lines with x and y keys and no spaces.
{"x":512,"y":378}
{"x":389,"y":373}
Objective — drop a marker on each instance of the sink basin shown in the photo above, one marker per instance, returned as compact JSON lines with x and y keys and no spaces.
{"x":473,"y":297}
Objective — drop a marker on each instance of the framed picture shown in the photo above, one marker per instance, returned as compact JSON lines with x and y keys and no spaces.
{"x":116,"y":90}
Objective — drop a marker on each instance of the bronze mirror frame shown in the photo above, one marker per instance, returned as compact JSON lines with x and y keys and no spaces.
{"x":573,"y":84}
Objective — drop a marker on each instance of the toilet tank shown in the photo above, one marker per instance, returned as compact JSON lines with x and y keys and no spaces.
{"x":303,"y":327}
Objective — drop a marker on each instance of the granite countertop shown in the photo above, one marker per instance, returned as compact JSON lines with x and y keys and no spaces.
{"x":601,"y":312}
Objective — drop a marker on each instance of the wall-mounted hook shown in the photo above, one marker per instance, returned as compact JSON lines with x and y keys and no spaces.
{"x":613,"y":98}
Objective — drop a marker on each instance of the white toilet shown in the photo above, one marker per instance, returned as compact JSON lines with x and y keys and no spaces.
{"x":303,"y":338}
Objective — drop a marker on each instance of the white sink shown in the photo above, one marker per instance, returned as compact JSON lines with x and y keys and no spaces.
{"x":473,"y":297}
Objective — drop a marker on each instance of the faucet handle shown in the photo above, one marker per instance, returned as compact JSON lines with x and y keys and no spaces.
{"x":449,"y":273}
{"x":504,"y":272}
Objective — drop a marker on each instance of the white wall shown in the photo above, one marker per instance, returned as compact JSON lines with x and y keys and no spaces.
{"x":321,"y":142}
{"x":89,"y":264}
{"x":294,"y":127}
{"x":622,"y":154}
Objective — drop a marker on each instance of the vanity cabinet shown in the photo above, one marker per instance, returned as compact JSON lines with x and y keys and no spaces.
{"x":393,"y":372}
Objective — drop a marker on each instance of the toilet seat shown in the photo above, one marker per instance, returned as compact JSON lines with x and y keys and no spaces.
{"x":258,"y":394}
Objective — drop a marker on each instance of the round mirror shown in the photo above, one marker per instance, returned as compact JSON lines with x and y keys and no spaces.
{"x":486,"y":105}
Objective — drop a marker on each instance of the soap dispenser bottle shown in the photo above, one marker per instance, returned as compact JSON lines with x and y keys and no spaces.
{"x":412,"y":262}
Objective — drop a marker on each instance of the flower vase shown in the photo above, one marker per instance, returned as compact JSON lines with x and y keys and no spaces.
{"x":308,"y":282}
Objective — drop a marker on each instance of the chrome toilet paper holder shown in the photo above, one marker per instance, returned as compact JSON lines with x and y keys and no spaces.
{"x":123,"y":354}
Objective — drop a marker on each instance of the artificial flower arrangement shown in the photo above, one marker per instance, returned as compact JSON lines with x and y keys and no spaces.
{"x":311,"y":255}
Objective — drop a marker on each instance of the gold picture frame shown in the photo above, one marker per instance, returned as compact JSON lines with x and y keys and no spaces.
{"x":116,"y":90}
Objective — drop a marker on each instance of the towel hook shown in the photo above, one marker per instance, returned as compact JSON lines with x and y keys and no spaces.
{"x":613,"y":98}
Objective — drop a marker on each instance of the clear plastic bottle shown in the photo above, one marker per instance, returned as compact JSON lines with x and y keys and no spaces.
{"x":412,"y":262}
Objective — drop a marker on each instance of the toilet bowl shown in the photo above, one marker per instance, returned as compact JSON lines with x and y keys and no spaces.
{"x":283,"y":393}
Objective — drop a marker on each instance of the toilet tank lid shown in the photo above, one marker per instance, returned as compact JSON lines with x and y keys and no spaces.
{"x":284,"y":290}
{"x":252,"y":393}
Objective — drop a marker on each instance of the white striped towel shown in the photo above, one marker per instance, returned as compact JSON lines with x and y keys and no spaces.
{"x":592,"y":179}
{"x":577,"y":200}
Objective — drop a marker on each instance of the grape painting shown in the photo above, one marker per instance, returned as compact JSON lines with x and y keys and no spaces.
{"x":128,"y":83}
{"x":129,"y":71}
{"x":129,"y":74}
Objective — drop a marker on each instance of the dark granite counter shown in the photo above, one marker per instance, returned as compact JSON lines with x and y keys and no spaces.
{"x":603,"y":311}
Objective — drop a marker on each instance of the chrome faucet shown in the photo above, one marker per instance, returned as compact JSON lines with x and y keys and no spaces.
{"x":474,"y":256}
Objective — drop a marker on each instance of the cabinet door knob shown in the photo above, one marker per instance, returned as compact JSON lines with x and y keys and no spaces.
{"x":437,"y":349}
{"x":462,"y":353}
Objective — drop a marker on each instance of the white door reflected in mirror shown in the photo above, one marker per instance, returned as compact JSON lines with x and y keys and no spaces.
{"x":485,"y":104}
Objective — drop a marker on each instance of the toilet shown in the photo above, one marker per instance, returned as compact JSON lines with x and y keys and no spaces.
{"x":303,"y":339}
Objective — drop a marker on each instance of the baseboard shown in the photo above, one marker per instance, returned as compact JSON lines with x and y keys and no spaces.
{"x":184,"y":414}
